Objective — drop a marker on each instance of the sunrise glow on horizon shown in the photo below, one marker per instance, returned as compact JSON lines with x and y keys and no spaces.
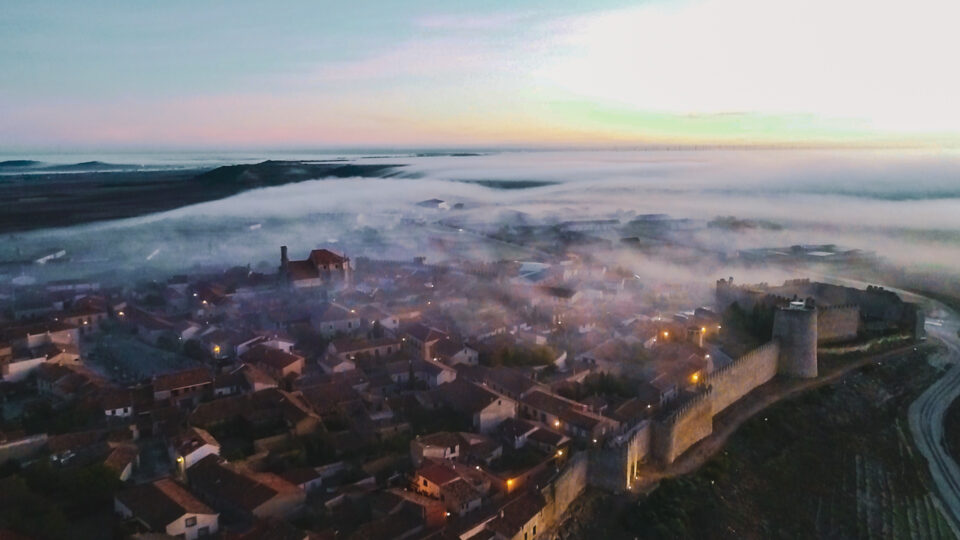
{"x":105,"y":74}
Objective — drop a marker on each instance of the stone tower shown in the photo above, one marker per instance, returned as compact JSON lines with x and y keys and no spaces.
{"x":795,"y":327}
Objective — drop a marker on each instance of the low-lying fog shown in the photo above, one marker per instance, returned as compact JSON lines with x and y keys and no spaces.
{"x":902,"y":205}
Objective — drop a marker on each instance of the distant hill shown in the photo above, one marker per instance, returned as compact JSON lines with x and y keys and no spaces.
{"x":275,"y":173}
{"x":19,"y":164}
{"x":37,"y":196}
{"x":91,"y":166}
{"x":33,"y":166}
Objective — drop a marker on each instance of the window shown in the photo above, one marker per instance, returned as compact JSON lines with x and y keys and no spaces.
{"x":203,"y":531}
{"x":424,"y":482}
{"x":534,"y":530}
{"x":190,"y":522}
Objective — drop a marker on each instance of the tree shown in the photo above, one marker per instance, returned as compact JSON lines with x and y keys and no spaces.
{"x":411,"y":378}
{"x":168,"y":343}
{"x":194,"y":349}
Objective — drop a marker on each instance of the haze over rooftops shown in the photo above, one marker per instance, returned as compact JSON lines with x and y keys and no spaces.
{"x":322,"y":257}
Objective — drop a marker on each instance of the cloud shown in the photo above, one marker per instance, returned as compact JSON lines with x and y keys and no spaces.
{"x":476,"y":21}
{"x":686,"y":71}
{"x":427,"y":57}
{"x":839,"y":197}
{"x":883,"y":62}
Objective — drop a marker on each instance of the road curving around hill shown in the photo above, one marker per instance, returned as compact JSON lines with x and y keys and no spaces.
{"x":926,"y":416}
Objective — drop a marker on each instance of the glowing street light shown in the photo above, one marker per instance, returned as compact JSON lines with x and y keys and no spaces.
{"x":556,"y":423}
{"x":695,"y":377}
{"x":559,"y":453}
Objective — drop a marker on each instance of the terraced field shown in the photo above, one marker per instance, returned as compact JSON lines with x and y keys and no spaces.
{"x":889,"y":501}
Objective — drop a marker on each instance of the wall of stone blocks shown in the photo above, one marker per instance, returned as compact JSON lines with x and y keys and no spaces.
{"x":738,"y":378}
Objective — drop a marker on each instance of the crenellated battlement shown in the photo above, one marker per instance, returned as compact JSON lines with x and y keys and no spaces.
{"x":677,"y":414}
{"x":746,"y":358}
{"x":837,"y":307}
{"x":740,"y":377}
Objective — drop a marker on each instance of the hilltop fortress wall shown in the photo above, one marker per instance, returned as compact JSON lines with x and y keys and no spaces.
{"x":560,"y":493}
{"x":798,"y":328}
{"x":612,"y":468}
{"x":738,"y":378}
{"x":844,"y":310}
{"x":838,"y":323}
{"x":683,"y":427}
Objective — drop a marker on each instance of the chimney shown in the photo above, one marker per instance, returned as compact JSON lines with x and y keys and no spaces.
{"x":283,"y":257}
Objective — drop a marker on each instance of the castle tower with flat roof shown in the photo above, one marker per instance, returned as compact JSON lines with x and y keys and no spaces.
{"x":795,"y":327}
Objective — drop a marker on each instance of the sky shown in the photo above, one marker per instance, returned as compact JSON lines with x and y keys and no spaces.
{"x":182,"y":74}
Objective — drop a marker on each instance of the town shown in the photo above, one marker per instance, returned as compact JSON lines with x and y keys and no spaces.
{"x":372,"y":399}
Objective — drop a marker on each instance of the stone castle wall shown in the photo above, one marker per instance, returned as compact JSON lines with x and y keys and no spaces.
{"x":727,"y":293}
{"x":837,"y":323}
{"x":738,"y":378}
{"x":613,"y":466}
{"x":565,"y":488}
{"x":682,"y":428}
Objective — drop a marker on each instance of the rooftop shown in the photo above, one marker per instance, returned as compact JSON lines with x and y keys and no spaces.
{"x":161,"y":502}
